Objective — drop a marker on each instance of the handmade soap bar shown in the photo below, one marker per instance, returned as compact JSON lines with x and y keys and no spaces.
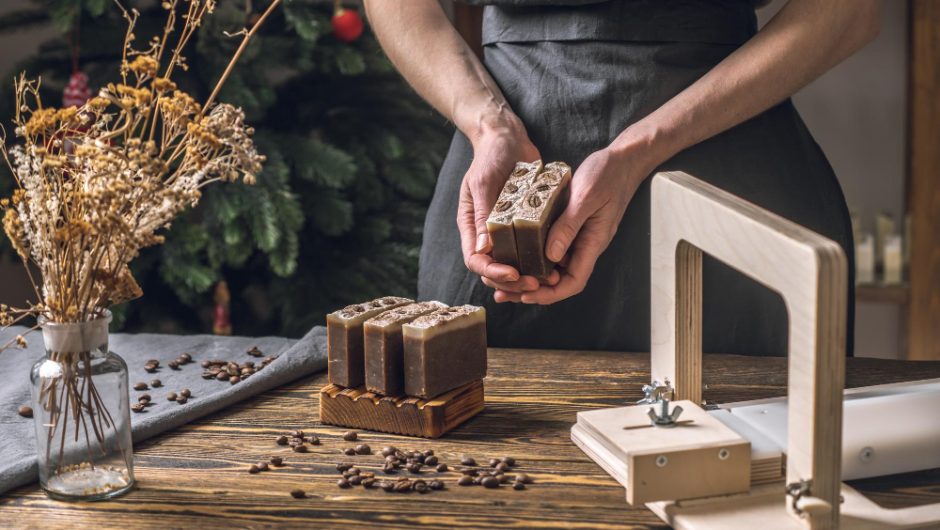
{"x":444,"y":349}
{"x":384,"y":348}
{"x":345,"y":341}
{"x":499,"y":224}
{"x":539,"y":208}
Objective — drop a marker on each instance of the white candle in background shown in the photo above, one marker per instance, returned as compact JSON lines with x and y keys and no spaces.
{"x":893,"y":259}
{"x":865,"y":259}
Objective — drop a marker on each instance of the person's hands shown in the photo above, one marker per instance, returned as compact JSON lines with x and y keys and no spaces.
{"x":601,"y":189}
{"x":495,"y":152}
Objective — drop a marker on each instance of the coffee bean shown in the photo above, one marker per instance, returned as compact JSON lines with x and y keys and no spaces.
{"x":343,"y":467}
{"x":493,"y":462}
{"x":470,"y":472}
{"x":441,"y":468}
{"x":389,"y":468}
{"x":523,"y":478}
{"x":186,"y":358}
{"x":477,"y":480}
{"x":222,"y":376}
{"x":418,"y":457}
{"x":353,"y":470}
{"x":186,"y":393}
{"x":367,"y":474}
{"x":182,"y":400}
{"x":171,"y":396}
{"x":503,"y":479}
{"x":156,"y":383}
{"x":263,"y":466}
{"x":138,"y":407}
{"x":234,"y":379}
{"x":388,"y":451}
{"x":355,"y":480}
{"x":363,"y":449}
{"x":502,"y":467}
{"x":174,"y":365}
{"x":421,"y":487}
{"x":350,"y":436}
{"x":509,"y":461}
{"x":149,"y":368}
{"x":298,"y":494}
{"x":518,"y":486}
{"x":254,"y":469}
{"x":154,"y":362}
{"x":26,"y":411}
{"x":277,"y":461}
{"x":281,"y":440}
{"x":314,"y":440}
{"x":403,"y":486}
{"x":349,"y":451}
{"x":465,"y":481}
{"x":386,"y":485}
{"x":431,"y":460}
{"x":300,"y":448}
{"x":140,"y":386}
{"x":255,"y":352}
{"x":205,"y":364}
{"x":436,"y":485}
{"x":490,"y":482}
{"x":428,"y":452}
{"x":342,"y":483}
{"x":143,"y":398}
{"x":368,"y":482}
{"x":467,"y":461}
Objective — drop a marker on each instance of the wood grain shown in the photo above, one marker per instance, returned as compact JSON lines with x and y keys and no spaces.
{"x":409,"y":416}
{"x":196,"y":476}
{"x":923,"y":194}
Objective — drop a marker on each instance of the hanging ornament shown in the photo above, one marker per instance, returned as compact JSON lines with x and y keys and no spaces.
{"x":347,"y":24}
{"x":222,"y":319}
{"x":77,"y":92}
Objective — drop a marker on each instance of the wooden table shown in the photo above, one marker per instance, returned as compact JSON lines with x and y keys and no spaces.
{"x":196,"y":477}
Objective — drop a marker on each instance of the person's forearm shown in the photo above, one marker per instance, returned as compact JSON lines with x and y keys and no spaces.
{"x":806,"y":38}
{"x":427,"y":50}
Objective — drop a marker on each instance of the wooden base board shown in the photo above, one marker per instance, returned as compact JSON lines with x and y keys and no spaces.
{"x":764,"y":507}
{"x":410,"y":416}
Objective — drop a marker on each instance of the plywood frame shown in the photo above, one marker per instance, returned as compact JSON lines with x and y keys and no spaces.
{"x":809,"y":271}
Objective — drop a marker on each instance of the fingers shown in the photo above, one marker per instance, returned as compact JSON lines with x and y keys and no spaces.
{"x":465,"y":223}
{"x":483,"y":265}
{"x":525,"y":283}
{"x":503,"y":297}
{"x":574,"y":277}
{"x":564,"y":230}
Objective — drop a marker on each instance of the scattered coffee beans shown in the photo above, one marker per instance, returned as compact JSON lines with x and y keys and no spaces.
{"x":436,"y":485}
{"x":490,"y":482}
{"x":181,"y":399}
{"x":277,"y":461}
{"x":465,"y":480}
{"x":363,"y":449}
{"x":441,"y":468}
{"x":140,"y":386}
{"x":171,"y":396}
{"x":253,"y":468}
{"x":298,"y":494}
{"x":509,"y":461}
{"x":138,"y":407}
{"x":156,"y":383}
{"x":300,"y":448}
{"x":263,"y":466}
{"x":343,"y":467}
{"x":26,"y":411}
{"x":186,"y":358}
{"x":502,"y":467}
{"x":518,"y":486}
{"x":523,"y":478}
{"x":234,"y":379}
{"x":281,"y":440}
{"x":350,"y":436}
{"x":174,"y":365}
{"x":430,"y":460}
{"x":355,"y":480}
{"x":467,"y":461}
{"x":388,"y":451}
{"x":349,"y":451}
{"x":421,"y":486}
{"x":342,"y":483}
{"x":493,"y":462}
{"x":186,"y":393}
{"x":255,"y":352}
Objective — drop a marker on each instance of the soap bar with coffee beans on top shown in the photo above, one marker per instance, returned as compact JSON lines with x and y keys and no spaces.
{"x":384,"y":348}
{"x":500,"y":224}
{"x":541,"y":205}
{"x":346,"y":366}
{"x":444,"y":350}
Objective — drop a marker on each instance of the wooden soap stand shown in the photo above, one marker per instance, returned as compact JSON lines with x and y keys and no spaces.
{"x":410,"y":416}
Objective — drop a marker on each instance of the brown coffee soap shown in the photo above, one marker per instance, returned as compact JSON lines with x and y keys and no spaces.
{"x":346,"y":366}
{"x":500,"y":222}
{"x":444,"y":350}
{"x":541,"y":205}
{"x":384,"y":351}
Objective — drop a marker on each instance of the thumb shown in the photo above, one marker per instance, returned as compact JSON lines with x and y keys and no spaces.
{"x":563,"y":232}
{"x":482,"y":204}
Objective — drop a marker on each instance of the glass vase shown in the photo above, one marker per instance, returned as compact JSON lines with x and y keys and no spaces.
{"x":81,"y":413}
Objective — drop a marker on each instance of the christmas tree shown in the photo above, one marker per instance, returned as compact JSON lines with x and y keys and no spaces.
{"x":352,"y":157}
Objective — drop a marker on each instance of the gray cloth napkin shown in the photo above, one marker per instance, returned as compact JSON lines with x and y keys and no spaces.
{"x":295,"y":358}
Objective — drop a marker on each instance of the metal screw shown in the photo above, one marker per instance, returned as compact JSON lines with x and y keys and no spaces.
{"x":664,"y":418}
{"x":723,"y":454}
{"x":866,"y":454}
{"x":661,"y":461}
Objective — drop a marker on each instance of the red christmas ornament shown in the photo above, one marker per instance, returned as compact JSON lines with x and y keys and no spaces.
{"x":347,"y":24}
{"x":77,"y":92}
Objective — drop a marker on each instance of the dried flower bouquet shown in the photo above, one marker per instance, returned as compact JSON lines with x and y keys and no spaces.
{"x":95,"y":184}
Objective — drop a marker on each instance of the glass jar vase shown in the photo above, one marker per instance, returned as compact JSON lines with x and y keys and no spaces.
{"x":81,"y":413}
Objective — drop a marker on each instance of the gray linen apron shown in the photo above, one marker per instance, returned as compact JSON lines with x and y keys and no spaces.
{"x":577,"y":74}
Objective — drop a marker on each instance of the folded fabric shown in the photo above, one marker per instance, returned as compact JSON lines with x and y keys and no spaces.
{"x":295,"y":359}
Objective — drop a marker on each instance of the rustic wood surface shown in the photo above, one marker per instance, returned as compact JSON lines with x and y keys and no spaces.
{"x":196,"y":476}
